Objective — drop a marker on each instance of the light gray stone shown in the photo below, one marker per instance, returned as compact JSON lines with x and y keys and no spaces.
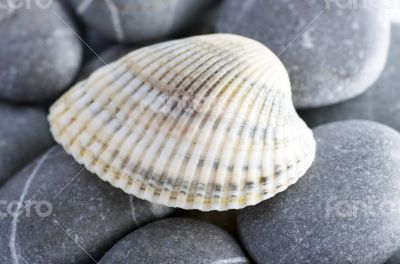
{"x":344,"y":210}
{"x":66,"y":214}
{"x":332,"y":52}
{"x":40,"y":54}
{"x":380,"y":103}
{"x":140,"y":20}
{"x":176,"y":241}
{"x":24,"y":134}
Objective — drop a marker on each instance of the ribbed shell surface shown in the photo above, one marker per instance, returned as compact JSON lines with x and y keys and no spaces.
{"x":202,"y":123}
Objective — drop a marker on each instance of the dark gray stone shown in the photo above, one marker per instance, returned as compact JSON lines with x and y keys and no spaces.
{"x":332,"y":53}
{"x":344,"y":210}
{"x":24,"y":134}
{"x":225,"y":219}
{"x":96,"y":44}
{"x":176,"y":241}
{"x":380,"y":103}
{"x":140,"y":20}
{"x":65,"y":211}
{"x":109,"y":55}
{"x":39,"y":54}
{"x":395,"y":259}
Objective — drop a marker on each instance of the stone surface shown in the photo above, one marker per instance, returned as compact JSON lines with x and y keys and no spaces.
{"x":24,"y":134}
{"x":395,"y":259}
{"x":344,"y":210}
{"x":223,"y":219}
{"x":178,"y":241}
{"x":109,"y":55}
{"x":64,"y":211}
{"x":39,"y":54}
{"x":331,"y":52}
{"x":380,"y":103}
{"x":140,"y":20}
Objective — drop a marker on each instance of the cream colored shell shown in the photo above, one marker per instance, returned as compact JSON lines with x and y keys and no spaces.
{"x":203,"y":123}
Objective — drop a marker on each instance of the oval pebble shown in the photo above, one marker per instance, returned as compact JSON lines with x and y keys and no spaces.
{"x":55,"y":211}
{"x":109,"y":55}
{"x":380,"y":103}
{"x":40,"y":54}
{"x":24,"y":134}
{"x":223,"y":219}
{"x":332,"y":53}
{"x":344,"y":210}
{"x":178,"y":241}
{"x":140,"y":20}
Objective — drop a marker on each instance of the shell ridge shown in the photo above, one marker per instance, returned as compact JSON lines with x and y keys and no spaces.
{"x":132,"y":156}
{"x":191,"y":164}
{"x":200,"y":123}
{"x":253,"y":155}
{"x":140,"y":85}
{"x":162,"y":137}
{"x":183,"y":126}
{"x":218,"y":185}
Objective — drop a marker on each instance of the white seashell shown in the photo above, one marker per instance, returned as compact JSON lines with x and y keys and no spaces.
{"x":203,"y":123}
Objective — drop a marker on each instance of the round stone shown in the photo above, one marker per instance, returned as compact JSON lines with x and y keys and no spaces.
{"x":55,"y":211}
{"x":395,"y":259}
{"x":380,"y":103}
{"x":109,"y":55}
{"x":96,"y":44}
{"x":39,"y":54}
{"x":140,"y":20}
{"x":344,"y":210}
{"x":176,"y":240}
{"x":24,"y":134}
{"x":223,"y":219}
{"x":332,"y":52}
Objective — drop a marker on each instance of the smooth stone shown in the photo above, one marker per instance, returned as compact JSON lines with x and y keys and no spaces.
{"x":380,"y":103}
{"x":178,"y":241}
{"x":111,"y":54}
{"x":395,"y":259}
{"x":344,"y":210}
{"x":67,"y":215}
{"x":140,"y":21}
{"x":96,"y":44}
{"x":24,"y":134}
{"x":332,"y":53}
{"x":223,"y":219}
{"x":40,"y":54}
{"x":205,"y":24}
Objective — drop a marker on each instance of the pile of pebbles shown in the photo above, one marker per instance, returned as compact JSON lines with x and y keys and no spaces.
{"x":344,"y":66}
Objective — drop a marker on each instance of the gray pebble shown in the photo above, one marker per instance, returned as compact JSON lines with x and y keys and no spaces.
{"x":395,"y":259}
{"x":176,"y":241}
{"x":139,"y":20}
{"x":332,"y":53}
{"x":344,"y":210}
{"x":109,"y":55}
{"x":39,"y":54}
{"x":380,"y":103}
{"x":96,"y":44}
{"x":223,"y":219}
{"x":24,"y":134}
{"x":67,"y":215}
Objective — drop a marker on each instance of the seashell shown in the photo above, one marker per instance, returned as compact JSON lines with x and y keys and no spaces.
{"x":204,"y":123}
